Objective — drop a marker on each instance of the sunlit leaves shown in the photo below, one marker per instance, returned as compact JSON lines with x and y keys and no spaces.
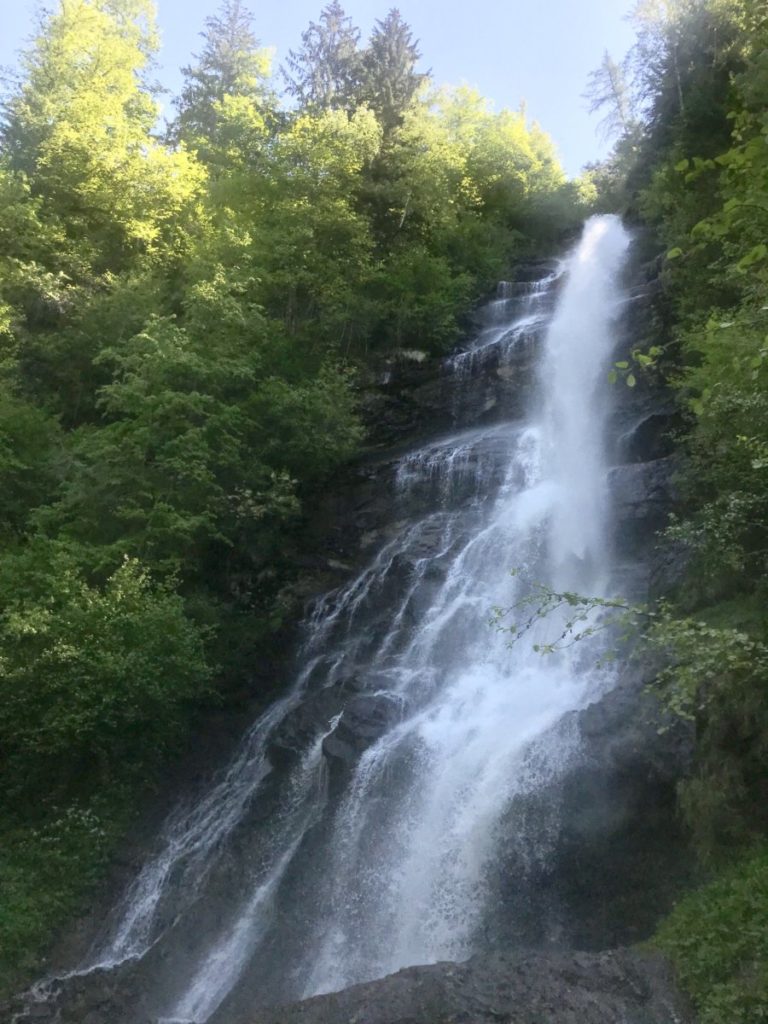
{"x":79,"y":127}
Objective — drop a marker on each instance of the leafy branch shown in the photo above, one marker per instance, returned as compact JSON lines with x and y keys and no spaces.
{"x":580,"y":617}
{"x":639,"y":360}
{"x":702,"y":664}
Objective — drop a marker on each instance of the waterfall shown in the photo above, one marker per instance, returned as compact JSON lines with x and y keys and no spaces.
{"x":578,"y":342}
{"x":365,"y":868}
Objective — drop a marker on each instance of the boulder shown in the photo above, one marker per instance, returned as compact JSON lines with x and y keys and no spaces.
{"x":651,"y":437}
{"x":617,"y":987}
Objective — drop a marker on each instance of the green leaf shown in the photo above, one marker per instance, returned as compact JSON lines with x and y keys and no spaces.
{"x":755,"y":255}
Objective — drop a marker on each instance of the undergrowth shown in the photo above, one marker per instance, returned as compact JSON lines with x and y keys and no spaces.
{"x":717,"y":938}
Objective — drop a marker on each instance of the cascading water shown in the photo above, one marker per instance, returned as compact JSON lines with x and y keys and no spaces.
{"x":358,"y":869}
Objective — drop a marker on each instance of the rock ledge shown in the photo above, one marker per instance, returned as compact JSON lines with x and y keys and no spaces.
{"x":617,"y":987}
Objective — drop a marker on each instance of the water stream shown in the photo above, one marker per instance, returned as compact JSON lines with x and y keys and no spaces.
{"x":361,"y":868}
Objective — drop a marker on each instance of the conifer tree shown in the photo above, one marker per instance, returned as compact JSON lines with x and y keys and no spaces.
{"x":325,"y":73}
{"x":390,"y":80}
{"x":232,"y":65}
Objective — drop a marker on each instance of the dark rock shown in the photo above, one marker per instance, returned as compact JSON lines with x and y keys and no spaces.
{"x":40,"y":1012}
{"x":668,"y":564}
{"x":300,"y":726}
{"x":535,"y":270}
{"x":643,"y":494}
{"x":617,"y":987}
{"x":365,"y":719}
{"x":633,"y":736}
{"x":597,"y":856}
{"x":101,"y":997}
{"x":652,"y":437}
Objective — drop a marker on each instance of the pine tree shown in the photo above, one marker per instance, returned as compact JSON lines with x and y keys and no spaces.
{"x":325,"y":73}
{"x":390,"y":80}
{"x":231,"y":65}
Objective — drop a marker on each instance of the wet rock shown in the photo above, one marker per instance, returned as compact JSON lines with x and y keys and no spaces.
{"x":105,"y":996}
{"x":634,"y":736}
{"x":535,"y":270}
{"x":643,"y":494}
{"x":643,"y":423}
{"x":39,"y":1012}
{"x":668,"y":564}
{"x":336,"y":566}
{"x":408,"y":399}
{"x":311,"y":717}
{"x":651,"y":438}
{"x":507,"y":372}
{"x":506,"y":988}
{"x":365,"y":719}
{"x":598,"y":856}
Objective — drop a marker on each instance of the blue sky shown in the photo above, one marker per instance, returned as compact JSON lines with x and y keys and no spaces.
{"x":540,"y":51}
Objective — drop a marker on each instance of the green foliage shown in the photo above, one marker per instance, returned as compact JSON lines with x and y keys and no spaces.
{"x":46,"y":870}
{"x":27,"y":444}
{"x":97,"y":682}
{"x":151,"y":478}
{"x":418,"y":296}
{"x":717,"y":939}
{"x":709,"y":209}
{"x":390,"y":81}
{"x":569,"y":617}
{"x":79,"y":131}
{"x":307,"y":429}
{"x":715,"y":676}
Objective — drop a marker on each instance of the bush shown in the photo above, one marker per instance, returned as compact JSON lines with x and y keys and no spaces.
{"x":96,"y":682}
{"x":717,"y":938}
